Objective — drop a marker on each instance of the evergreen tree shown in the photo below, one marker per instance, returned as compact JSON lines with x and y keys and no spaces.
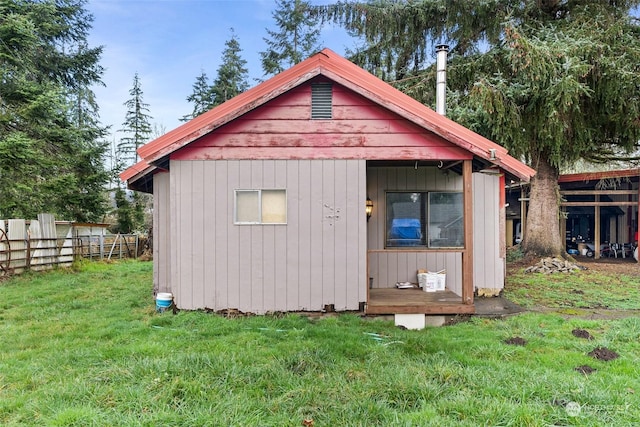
{"x":232,"y":73}
{"x":136,"y":125}
{"x":130,"y":206}
{"x":202,"y":97}
{"x":553,"y":81}
{"x":50,"y":153}
{"x":295,"y":40}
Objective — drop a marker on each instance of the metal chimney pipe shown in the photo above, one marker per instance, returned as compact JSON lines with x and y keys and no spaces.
{"x":441,"y":79}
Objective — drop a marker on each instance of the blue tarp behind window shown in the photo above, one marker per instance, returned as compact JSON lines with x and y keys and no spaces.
{"x":405,"y":228}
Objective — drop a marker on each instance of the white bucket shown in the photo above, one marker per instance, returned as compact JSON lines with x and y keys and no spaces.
{"x":163,"y":300}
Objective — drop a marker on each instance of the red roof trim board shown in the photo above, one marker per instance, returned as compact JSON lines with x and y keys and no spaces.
{"x":344,"y":72}
{"x":141,"y":168}
{"x":596,"y":176}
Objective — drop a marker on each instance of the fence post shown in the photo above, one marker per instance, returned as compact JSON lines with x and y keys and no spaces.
{"x":28,"y":254}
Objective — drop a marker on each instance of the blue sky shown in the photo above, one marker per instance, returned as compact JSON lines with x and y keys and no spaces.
{"x":169,"y":42}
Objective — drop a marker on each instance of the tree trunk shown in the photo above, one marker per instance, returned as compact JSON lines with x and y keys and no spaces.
{"x":542,"y":230}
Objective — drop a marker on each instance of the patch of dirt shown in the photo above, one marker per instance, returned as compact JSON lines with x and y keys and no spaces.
{"x":603,"y":353}
{"x":585,"y":369}
{"x":627,"y":266}
{"x":515,"y":341}
{"x":581,"y":333}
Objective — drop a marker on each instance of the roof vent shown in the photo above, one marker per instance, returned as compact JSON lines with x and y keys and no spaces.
{"x":321,"y":100}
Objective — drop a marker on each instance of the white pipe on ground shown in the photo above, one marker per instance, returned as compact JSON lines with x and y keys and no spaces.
{"x":441,"y":78}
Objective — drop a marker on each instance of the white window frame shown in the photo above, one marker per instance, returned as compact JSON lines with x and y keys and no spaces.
{"x":259,"y":191}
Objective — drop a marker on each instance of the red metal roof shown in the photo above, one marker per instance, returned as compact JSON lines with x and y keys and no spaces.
{"x":344,"y":72}
{"x":596,"y":176}
{"x":140,"y":168}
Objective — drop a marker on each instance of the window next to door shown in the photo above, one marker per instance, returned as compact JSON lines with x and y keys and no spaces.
{"x":430,"y":219}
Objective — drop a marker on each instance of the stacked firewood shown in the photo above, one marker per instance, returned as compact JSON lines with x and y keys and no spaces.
{"x":553,"y":265}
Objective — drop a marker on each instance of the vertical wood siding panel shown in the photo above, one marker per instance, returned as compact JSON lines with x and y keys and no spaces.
{"x":478,"y":230}
{"x":237,"y":255}
{"x":275,"y":176}
{"x":330,"y":211}
{"x":293,"y":232}
{"x":173,"y":235}
{"x":373,"y":265}
{"x":402,"y":268}
{"x":381,"y":214}
{"x":317,"y":230}
{"x":412,"y":267}
{"x":412,"y":178}
{"x":176,"y":267}
{"x":158,"y":202}
{"x":488,"y":264}
{"x":489,"y":219}
{"x":161,"y":233}
{"x":341,"y":243}
{"x":362,"y":279}
{"x":401,"y":178}
{"x":198,"y":228}
{"x":221,"y":192}
{"x":183,"y":277}
{"x":252,"y":174}
{"x":266,"y":234}
{"x":281,"y":240}
{"x":382,"y":281}
{"x":209,"y":248}
{"x":186,"y":234}
{"x":306,"y":205}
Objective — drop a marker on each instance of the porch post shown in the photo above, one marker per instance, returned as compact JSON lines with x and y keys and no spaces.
{"x":596,"y":226}
{"x":467,"y":254}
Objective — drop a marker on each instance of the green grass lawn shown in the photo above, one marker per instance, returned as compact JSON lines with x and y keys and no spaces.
{"x":580,"y":289}
{"x":87,"y":348}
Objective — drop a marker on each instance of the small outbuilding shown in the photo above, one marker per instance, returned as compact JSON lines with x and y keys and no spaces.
{"x":323,"y":188}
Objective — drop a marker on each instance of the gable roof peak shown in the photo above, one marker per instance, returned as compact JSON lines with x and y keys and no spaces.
{"x":344,"y":72}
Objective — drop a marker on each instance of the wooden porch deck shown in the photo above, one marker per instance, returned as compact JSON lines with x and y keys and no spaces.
{"x":415,"y":301}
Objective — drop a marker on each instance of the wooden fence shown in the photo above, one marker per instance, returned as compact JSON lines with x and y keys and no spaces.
{"x":45,"y":243}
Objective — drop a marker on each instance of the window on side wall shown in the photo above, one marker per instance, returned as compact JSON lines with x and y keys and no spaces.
{"x":424,"y":219}
{"x":260,"y":207}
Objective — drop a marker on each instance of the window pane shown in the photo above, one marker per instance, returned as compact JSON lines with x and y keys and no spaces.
{"x":274,"y":206}
{"x":247,"y":206}
{"x":405,"y":219}
{"x":446,"y":225}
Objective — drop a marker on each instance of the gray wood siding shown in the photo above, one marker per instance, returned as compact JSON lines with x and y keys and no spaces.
{"x":317,"y":258}
{"x":391,"y":266}
{"x":161,"y":239}
{"x":488,"y":264}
